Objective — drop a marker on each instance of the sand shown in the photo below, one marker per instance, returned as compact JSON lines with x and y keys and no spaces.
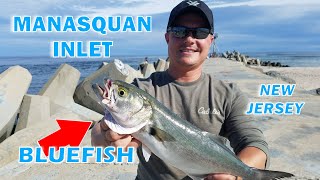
{"x":307,"y":78}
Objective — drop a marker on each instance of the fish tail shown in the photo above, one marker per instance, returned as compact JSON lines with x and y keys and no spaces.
{"x":269,"y":175}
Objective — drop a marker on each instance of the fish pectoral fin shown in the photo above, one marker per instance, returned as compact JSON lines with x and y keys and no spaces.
{"x":146,"y":152}
{"x":160,"y":134}
{"x":216,"y":138}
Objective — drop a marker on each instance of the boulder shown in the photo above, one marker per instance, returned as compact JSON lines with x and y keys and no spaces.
{"x":279,"y":76}
{"x":318,"y":91}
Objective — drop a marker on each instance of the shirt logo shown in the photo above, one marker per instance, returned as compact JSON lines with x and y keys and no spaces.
{"x":202,"y":110}
{"x":193,"y":3}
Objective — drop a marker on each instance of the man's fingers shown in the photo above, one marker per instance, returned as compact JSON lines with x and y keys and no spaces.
{"x":97,"y":136}
{"x":219,"y":176}
{"x":134,"y":143}
{"x":113,"y":136}
{"x":104,"y":125}
{"x":123,"y":142}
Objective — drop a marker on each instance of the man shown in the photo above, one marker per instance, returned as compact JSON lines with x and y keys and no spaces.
{"x":188,"y":92}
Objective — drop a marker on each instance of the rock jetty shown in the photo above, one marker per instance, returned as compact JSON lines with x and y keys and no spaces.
{"x":246,"y":60}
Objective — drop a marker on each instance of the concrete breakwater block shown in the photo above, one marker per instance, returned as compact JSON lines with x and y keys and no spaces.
{"x":243,"y":59}
{"x":102,"y":64}
{"x":62,"y":84}
{"x":60,"y":89}
{"x":160,"y":65}
{"x":258,"y":62}
{"x":14,"y":83}
{"x":238,"y":58}
{"x":167,"y":65}
{"x":142,"y":64}
{"x":148,"y":70}
{"x":34,"y":109}
{"x":224,"y":55}
{"x":9,"y":149}
{"x":116,"y":70}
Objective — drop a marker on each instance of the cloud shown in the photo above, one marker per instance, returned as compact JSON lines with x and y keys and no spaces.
{"x":284,"y":3}
{"x":77,"y":7}
{"x":136,"y":7}
{"x":273,"y":10}
{"x":247,"y":24}
{"x":149,"y":7}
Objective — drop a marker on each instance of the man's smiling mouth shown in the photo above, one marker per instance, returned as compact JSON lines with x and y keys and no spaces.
{"x":188,"y":50}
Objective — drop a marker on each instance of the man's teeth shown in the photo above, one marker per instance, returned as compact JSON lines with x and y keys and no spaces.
{"x":187,"y":50}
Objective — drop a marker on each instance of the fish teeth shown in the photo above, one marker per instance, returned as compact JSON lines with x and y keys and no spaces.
{"x":107,"y":85}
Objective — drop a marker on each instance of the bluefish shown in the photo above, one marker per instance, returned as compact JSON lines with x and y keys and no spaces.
{"x":174,"y":140}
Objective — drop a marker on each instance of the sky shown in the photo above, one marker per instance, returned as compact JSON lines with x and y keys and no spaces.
{"x":243,"y":25}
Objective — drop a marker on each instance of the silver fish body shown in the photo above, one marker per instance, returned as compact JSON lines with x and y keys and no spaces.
{"x":174,"y":140}
{"x":191,"y":150}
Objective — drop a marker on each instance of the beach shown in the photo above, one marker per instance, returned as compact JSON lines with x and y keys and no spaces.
{"x":307,"y":78}
{"x":293,"y":139}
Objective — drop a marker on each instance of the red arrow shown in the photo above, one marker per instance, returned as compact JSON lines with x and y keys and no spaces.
{"x":71,"y":133}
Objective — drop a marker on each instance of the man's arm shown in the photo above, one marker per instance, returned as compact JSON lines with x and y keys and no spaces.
{"x":253,"y":157}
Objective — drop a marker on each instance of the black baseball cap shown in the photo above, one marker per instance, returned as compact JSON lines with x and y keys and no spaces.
{"x":193,"y":6}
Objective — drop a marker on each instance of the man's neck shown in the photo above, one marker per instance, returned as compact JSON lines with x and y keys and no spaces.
{"x":185,"y":75}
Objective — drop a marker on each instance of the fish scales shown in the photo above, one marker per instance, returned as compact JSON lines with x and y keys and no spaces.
{"x":174,"y":140}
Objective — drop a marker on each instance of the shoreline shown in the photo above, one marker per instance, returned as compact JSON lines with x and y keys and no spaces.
{"x":305,"y":78}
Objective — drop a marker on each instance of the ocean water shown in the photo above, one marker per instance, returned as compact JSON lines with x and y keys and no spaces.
{"x":300,"y":59}
{"x":43,"y":68}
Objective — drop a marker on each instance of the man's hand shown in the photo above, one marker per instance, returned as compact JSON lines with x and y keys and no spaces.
{"x":102,"y":135}
{"x":220,"y":177}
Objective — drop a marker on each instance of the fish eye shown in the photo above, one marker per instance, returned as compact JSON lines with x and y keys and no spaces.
{"x":122,"y":92}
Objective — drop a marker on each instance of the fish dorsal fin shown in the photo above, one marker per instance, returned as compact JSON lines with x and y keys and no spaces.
{"x":160,"y":134}
{"x":146,"y":152}
{"x":215,"y":137}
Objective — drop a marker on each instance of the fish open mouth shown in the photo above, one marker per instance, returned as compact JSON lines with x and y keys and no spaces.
{"x":107,"y":92}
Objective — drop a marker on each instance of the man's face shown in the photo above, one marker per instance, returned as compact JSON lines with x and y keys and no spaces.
{"x":188,"y":51}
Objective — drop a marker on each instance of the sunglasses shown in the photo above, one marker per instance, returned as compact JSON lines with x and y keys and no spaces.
{"x":198,"y":33}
